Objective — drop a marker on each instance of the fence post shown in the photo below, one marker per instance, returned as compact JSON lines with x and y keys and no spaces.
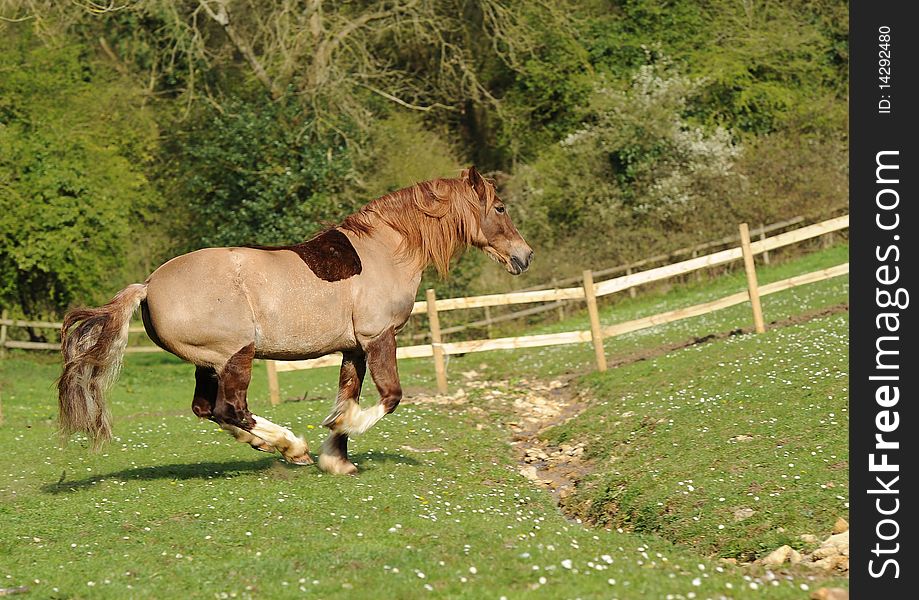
{"x":488,"y":321}
{"x":3,"y":330}
{"x":632,"y":291}
{"x":440,"y":368}
{"x":753,"y":287}
{"x":561,"y":305}
{"x":596,"y":335}
{"x":762,"y":237}
{"x":274,"y":390}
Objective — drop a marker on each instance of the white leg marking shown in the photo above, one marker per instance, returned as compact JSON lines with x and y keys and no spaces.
{"x":245,"y":437}
{"x":292,"y":447}
{"x":358,"y":421}
{"x":332,"y":458}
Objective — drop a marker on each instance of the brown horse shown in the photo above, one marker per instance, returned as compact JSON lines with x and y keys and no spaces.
{"x":349,"y":289}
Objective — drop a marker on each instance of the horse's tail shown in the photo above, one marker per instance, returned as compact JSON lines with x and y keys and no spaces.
{"x":93,"y":342}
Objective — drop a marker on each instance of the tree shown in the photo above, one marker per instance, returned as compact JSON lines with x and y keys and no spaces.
{"x":256,"y":172}
{"x":636,"y":166}
{"x":72,"y":196}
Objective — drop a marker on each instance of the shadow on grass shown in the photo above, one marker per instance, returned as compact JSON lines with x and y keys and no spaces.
{"x":214,"y":470}
{"x":201,"y":470}
{"x":367,"y":461}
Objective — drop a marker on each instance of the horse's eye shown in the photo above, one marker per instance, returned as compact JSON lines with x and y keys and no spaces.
{"x":499,"y":210}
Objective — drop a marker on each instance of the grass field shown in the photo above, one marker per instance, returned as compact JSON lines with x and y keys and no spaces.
{"x":176,"y":508}
{"x":684,"y":441}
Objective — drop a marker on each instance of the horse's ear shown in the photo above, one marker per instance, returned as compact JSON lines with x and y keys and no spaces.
{"x":477,"y":182}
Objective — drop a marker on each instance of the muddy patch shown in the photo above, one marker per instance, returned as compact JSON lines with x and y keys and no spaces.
{"x":525,"y":408}
{"x":542,"y":405}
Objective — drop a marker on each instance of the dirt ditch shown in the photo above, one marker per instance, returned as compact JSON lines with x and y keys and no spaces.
{"x":547,"y":404}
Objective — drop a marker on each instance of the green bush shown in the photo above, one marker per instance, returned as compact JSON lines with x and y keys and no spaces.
{"x":256,"y":172}
{"x":73,"y":194}
{"x":636,"y":165}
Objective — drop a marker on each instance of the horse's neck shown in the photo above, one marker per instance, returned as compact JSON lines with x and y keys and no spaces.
{"x":387,"y":246}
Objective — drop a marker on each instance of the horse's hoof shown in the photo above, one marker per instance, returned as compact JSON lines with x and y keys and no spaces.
{"x":335,"y":465}
{"x":304,"y":459}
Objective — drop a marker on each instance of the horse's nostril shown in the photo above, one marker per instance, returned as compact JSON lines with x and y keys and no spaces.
{"x":530,"y":257}
{"x":521,"y":264}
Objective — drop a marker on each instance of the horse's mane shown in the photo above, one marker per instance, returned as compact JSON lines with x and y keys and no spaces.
{"x":436,"y":218}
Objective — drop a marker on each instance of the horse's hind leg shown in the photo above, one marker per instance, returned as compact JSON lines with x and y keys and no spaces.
{"x":333,"y":456}
{"x":245,"y":437}
{"x":232,"y":412}
{"x":205,"y":402}
{"x":205,"y":392}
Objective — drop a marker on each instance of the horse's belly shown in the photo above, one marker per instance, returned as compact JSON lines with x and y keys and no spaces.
{"x":304,"y":322}
{"x":307,"y":336}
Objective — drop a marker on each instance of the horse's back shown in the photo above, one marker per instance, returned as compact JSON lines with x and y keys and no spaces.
{"x":206,"y":305}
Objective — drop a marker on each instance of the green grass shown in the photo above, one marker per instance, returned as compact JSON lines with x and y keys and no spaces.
{"x":683,"y":441}
{"x":175,"y":507}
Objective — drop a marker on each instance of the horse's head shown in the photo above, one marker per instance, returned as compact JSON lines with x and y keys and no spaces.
{"x":497,"y":236}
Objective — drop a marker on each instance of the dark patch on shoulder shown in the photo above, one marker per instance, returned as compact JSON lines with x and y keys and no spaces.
{"x":330,"y":255}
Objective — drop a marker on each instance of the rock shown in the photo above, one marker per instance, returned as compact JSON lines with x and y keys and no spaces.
{"x":841,"y":525}
{"x":743,"y":513}
{"x":779,"y":556}
{"x":830,"y":594}
{"x":530,"y":473}
{"x":808,"y":538}
{"x":741,"y":438}
{"x":837,"y":544}
{"x":837,"y":562}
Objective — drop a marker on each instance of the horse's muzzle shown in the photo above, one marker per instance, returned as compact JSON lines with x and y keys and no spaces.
{"x":521,"y":264}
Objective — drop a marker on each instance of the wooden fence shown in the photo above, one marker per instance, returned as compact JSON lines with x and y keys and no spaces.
{"x":589,"y":291}
{"x":5,"y":342}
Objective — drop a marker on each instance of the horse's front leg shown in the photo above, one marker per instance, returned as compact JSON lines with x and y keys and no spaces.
{"x":333,"y":456}
{"x":347,"y":418}
{"x":381,"y":356}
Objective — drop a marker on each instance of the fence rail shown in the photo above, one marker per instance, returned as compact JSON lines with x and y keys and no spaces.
{"x":6,"y":323}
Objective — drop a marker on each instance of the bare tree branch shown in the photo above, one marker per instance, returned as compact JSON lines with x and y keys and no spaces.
{"x":16,"y":19}
{"x":222,"y":17}
{"x":401,"y":102}
{"x":99,"y":9}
